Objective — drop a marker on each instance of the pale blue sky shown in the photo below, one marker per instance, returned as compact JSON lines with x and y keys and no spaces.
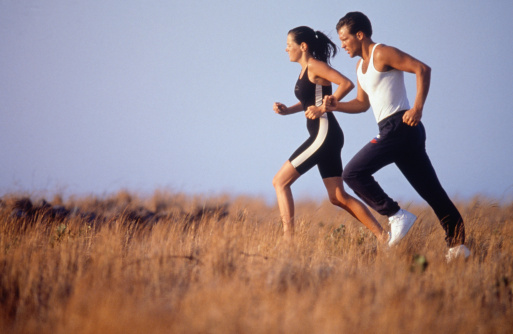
{"x":98,"y":96}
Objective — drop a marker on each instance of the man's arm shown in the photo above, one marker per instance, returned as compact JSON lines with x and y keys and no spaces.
{"x":386,"y":57}
{"x":355,"y":106}
{"x":358,"y":105}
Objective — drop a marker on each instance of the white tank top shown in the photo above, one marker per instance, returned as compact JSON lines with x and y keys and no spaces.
{"x":386,"y":90}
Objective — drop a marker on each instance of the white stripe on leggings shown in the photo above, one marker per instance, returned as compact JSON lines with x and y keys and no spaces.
{"x":321,"y":135}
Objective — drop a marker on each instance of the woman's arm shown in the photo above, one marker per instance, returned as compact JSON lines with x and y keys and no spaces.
{"x":321,"y":73}
{"x":282,"y":109}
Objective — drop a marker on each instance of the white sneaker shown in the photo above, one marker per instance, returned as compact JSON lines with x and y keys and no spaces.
{"x":457,"y":252}
{"x":400,"y":224}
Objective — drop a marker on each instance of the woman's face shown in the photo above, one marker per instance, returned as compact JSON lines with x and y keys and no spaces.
{"x":293,"y":49}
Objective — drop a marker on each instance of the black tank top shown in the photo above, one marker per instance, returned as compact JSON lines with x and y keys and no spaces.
{"x":305,"y":90}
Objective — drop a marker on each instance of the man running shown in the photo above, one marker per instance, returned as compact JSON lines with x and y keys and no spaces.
{"x":401,"y":138}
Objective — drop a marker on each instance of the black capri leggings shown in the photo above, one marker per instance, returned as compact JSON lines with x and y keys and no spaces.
{"x":322,"y":148}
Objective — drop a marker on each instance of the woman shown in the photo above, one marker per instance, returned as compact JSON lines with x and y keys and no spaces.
{"x":312,"y":51}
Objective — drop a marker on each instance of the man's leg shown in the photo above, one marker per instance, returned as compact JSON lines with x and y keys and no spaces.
{"x":419,"y":171}
{"x":358,"y":176}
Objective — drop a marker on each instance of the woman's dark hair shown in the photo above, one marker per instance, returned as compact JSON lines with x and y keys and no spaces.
{"x":319,"y":45}
{"x":356,"y":21}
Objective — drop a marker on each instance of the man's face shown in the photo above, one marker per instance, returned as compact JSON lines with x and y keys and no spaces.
{"x":349,"y":42}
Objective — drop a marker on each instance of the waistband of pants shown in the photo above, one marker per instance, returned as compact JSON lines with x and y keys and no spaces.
{"x":393,"y":118}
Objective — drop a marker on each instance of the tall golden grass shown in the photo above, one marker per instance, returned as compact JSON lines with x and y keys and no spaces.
{"x":170,"y":263}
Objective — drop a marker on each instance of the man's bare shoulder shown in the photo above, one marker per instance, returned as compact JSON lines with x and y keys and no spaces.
{"x":383,"y":50}
{"x":385,"y":56}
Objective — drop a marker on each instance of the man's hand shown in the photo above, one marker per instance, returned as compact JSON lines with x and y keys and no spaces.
{"x":412,"y":117}
{"x":313,"y":112}
{"x":329,"y":103}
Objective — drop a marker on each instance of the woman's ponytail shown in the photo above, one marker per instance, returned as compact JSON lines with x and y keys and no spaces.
{"x":325,"y":49}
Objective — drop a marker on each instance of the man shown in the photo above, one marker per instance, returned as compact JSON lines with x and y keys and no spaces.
{"x":401,"y":138}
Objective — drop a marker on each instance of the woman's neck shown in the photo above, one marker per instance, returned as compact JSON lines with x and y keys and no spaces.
{"x":303,"y":61}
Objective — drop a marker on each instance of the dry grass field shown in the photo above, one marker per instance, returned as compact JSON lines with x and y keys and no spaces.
{"x":170,"y":263}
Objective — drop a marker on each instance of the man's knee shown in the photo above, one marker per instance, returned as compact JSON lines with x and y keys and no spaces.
{"x":346,"y":174}
{"x":350,"y":177}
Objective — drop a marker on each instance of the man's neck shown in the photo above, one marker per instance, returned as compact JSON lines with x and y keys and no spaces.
{"x":367,"y":45}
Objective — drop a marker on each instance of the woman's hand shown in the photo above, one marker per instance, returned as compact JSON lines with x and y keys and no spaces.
{"x":313,"y":112}
{"x":328,"y":104}
{"x":280,"y":108}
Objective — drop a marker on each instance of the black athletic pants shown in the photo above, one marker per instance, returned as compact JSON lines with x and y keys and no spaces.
{"x":405,"y":146}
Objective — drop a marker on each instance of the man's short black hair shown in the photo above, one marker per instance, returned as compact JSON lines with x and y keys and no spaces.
{"x":356,"y":21}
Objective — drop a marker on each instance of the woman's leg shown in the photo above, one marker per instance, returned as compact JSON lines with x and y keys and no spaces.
{"x":282,"y":182}
{"x":357,"y":209}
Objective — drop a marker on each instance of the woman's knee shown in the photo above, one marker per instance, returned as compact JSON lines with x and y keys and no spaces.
{"x":285,"y":177}
{"x":339,"y":198}
{"x":279,"y":182}
{"x":334,"y":200}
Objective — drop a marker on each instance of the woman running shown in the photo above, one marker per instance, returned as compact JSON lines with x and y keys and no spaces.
{"x":312,"y":51}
